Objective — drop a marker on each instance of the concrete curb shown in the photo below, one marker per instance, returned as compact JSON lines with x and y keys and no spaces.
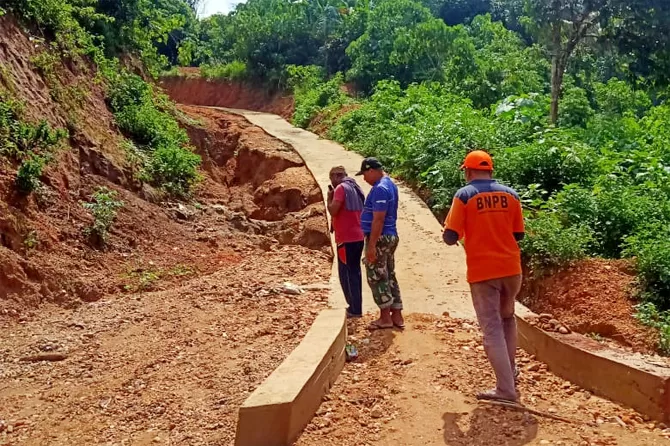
{"x":614,"y":374}
{"x":278,"y":411}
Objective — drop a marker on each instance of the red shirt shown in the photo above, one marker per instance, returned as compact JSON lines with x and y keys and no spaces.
{"x":347,"y":224}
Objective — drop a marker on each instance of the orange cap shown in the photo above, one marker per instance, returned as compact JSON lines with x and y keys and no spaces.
{"x":478,"y":160}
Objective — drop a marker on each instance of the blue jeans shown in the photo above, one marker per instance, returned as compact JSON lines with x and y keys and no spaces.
{"x":349,"y":266}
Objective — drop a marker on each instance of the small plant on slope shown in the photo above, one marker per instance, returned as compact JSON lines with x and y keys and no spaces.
{"x":103,"y":208}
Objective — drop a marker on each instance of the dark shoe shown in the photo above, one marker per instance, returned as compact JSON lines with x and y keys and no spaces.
{"x":353,"y":316}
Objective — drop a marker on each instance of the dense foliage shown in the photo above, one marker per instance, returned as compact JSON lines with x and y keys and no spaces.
{"x":101,"y":30}
{"x":568,"y":95}
{"x":32,"y":146}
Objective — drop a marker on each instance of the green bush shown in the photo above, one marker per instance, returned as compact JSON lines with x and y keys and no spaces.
{"x":147,"y":117}
{"x":649,"y":315}
{"x":612,"y":210}
{"x":556,"y":158}
{"x":104,"y":207}
{"x":519,"y":118}
{"x":32,"y":145}
{"x":575,"y":108}
{"x":310,"y":101}
{"x":233,"y":71}
{"x":28,"y":176}
{"x":650,"y":247}
{"x":550,"y":245}
{"x":618,"y":97}
{"x":175,"y":169}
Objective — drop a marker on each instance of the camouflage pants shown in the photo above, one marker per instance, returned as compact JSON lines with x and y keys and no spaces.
{"x":381,"y":274}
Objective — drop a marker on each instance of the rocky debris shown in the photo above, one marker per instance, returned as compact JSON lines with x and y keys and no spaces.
{"x":547,"y":322}
{"x":431,"y":399}
{"x":376,"y":412}
{"x":291,"y":289}
{"x":52,"y":357}
{"x":182,"y":212}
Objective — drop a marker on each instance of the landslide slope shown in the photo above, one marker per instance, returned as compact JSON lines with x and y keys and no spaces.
{"x":162,"y":333}
{"x":44,"y":252}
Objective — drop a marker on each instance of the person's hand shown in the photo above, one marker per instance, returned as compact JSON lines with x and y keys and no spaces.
{"x":371,"y":254}
{"x":331,"y":194}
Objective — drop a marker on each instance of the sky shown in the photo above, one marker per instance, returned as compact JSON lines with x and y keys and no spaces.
{"x":210,"y":7}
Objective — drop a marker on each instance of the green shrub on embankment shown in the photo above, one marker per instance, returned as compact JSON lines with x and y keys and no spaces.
{"x":98,"y":31}
{"x":599,"y":186}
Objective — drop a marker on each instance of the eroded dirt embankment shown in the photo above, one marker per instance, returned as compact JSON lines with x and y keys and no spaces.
{"x":159,"y":337}
{"x":593,"y":297}
{"x":254,"y":186}
{"x":191,"y":89}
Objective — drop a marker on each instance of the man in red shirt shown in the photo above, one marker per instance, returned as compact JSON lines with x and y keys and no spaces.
{"x":345,"y":204}
{"x":488,"y":217}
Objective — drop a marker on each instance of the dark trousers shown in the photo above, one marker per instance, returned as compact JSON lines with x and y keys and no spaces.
{"x":351,"y":278}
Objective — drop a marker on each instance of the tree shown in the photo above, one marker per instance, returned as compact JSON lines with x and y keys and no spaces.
{"x":389,"y":48}
{"x":562,"y":25}
{"x":640,"y":31}
{"x":455,"y":12}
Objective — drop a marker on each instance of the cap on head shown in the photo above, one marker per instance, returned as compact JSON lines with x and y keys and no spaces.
{"x":370,"y":164}
{"x":478,"y":160}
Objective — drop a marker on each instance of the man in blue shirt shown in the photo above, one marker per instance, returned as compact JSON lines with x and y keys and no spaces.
{"x":378,"y":222}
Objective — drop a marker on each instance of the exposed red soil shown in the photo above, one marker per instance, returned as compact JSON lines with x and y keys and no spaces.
{"x":593,"y":297}
{"x":169,"y":367}
{"x":249,"y":175}
{"x":182,"y":315}
{"x":191,"y":89}
{"x":417,"y":388}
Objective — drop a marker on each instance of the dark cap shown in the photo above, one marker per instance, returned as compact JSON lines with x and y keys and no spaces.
{"x":370,"y":164}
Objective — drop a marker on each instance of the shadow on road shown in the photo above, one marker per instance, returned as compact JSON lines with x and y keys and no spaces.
{"x":488,"y":426}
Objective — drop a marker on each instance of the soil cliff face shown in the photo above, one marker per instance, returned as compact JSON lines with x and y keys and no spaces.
{"x":255,"y":193}
{"x":191,"y":89}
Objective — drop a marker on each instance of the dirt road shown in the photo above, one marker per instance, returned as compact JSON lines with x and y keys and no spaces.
{"x":417,"y":387}
{"x":431,"y":275}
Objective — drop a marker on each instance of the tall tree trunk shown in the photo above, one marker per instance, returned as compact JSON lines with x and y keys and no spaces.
{"x":557,"y":72}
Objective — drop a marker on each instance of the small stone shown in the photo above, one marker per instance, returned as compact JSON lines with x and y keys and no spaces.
{"x":533,"y":367}
{"x":376,"y":412}
{"x":563,"y":330}
{"x":289,"y":288}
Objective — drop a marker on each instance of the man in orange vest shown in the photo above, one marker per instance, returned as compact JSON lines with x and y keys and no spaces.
{"x":488,"y":217}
